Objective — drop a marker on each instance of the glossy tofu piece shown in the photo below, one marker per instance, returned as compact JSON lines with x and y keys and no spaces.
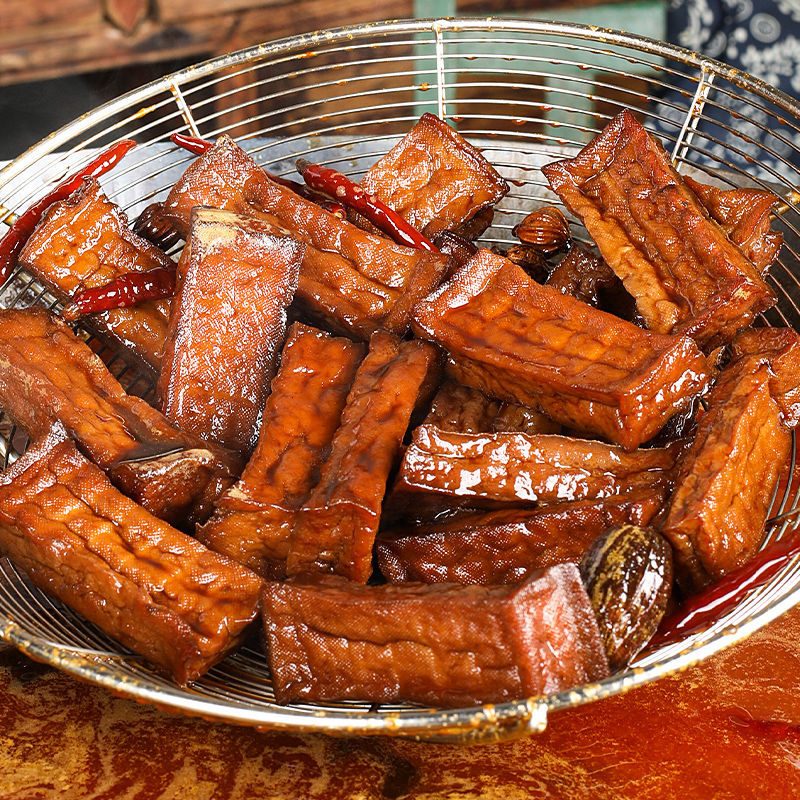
{"x":443,"y":470}
{"x":154,"y":589}
{"x":506,"y":546}
{"x":227,"y":326}
{"x":686,"y":275}
{"x":746,"y":217}
{"x":337,"y":525}
{"x":352,"y":281}
{"x":514,"y":339}
{"x":253,"y":520}
{"x":726,"y":479}
{"x":435,"y":179}
{"x":443,"y":645}
{"x":84,"y":242}
{"x":779,"y":348}
{"x":48,"y":375}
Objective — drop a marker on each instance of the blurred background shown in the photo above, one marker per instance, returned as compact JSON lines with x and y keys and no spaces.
{"x":60,"y":58}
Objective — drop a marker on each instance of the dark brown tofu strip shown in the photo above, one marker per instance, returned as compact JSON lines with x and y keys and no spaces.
{"x":515,"y":339}
{"x":435,"y":179}
{"x":726,"y":479}
{"x":48,"y":375}
{"x":506,"y":546}
{"x":227,"y":326}
{"x":443,"y":645}
{"x":84,"y":242}
{"x":686,"y":275}
{"x":156,"y":590}
{"x":354,"y":281}
{"x":780,"y":349}
{"x":746,"y":216}
{"x":337,"y":525}
{"x":443,"y":470}
{"x":253,"y":520}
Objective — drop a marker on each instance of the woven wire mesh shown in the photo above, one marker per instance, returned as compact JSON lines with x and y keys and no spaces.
{"x":526,"y":93}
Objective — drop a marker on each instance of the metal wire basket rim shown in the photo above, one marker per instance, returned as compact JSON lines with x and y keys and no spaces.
{"x":530,"y":711}
{"x":438,"y":26}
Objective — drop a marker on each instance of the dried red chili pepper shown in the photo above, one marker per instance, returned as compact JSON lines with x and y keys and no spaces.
{"x":333,"y":183}
{"x":199,"y":146}
{"x":126,"y":290}
{"x":14,"y":240}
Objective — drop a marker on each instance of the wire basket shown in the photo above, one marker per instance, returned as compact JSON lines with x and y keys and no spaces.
{"x":526,"y":93}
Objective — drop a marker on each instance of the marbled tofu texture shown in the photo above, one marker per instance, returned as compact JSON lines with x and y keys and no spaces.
{"x":253,"y":521}
{"x":444,"y":645}
{"x":84,"y":242}
{"x":48,"y":375}
{"x":434,"y":178}
{"x":156,"y":590}
{"x":506,"y":546}
{"x":354,"y":281}
{"x":726,"y":479}
{"x":227,"y":326}
{"x":686,"y":274}
{"x":515,"y":339}
{"x":337,"y":524}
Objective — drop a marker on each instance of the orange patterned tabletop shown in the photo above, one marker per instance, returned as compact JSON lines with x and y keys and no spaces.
{"x":727,"y":730}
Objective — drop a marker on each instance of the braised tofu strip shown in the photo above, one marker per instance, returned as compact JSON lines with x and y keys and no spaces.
{"x":780,"y":349}
{"x":515,"y":339}
{"x":444,"y":645}
{"x":746,"y":216}
{"x":355,"y":281}
{"x":686,"y":275}
{"x":154,"y":589}
{"x":442,"y":470}
{"x":48,"y":375}
{"x":337,"y":525}
{"x":507,"y":546}
{"x":726,"y":479}
{"x":253,"y":520}
{"x":227,"y":326}
{"x":85,"y":242}
{"x":436,"y":180}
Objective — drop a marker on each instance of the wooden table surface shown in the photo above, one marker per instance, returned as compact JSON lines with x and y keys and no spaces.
{"x":729,"y":728}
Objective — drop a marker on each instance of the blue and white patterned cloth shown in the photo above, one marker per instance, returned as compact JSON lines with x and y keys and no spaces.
{"x":761,"y":37}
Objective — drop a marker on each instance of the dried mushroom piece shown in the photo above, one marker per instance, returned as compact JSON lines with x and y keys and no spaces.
{"x":628,"y":576}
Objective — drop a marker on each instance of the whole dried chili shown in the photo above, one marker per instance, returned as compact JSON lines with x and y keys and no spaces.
{"x":333,"y":183}
{"x":14,"y":240}
{"x":126,"y":290}
{"x":198,"y":146}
